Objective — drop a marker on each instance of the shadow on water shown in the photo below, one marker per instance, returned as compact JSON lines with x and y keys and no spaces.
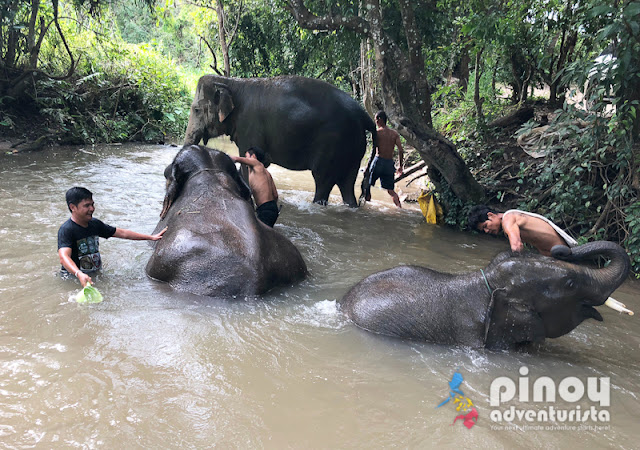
{"x":150,"y":367}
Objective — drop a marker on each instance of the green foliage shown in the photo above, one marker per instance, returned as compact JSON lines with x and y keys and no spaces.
{"x":286,"y":49}
{"x":588,"y":180}
{"x":119,"y":92}
{"x":172,"y":28}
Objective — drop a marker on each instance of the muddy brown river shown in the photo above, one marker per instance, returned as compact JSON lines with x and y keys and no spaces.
{"x":153,"y":368}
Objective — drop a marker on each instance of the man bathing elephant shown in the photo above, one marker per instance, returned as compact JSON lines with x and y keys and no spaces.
{"x":215,"y":245}
{"x":301,"y":124}
{"x":262,"y":186}
{"x":520,"y":227}
{"x":523,"y":227}
{"x":517,"y":299}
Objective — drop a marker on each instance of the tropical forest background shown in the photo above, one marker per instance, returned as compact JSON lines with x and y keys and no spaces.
{"x":518,"y":103}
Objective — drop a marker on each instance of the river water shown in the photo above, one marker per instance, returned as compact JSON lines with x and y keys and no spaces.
{"x":153,"y":368}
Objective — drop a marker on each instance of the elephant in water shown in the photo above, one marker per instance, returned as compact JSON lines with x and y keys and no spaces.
{"x":301,"y":123}
{"x":214,"y":244}
{"x":517,"y":299}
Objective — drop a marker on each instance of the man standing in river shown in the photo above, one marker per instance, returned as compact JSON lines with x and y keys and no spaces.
{"x":383,"y":166}
{"x":262,"y":186}
{"x":78,"y":237}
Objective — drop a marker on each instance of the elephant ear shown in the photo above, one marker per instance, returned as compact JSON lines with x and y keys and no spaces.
{"x":267,"y":159}
{"x":173,"y":187}
{"x":170,"y":196}
{"x":224,"y":103}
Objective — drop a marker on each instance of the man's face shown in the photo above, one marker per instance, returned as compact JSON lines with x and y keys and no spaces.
{"x":493,"y":224}
{"x":83,"y":211}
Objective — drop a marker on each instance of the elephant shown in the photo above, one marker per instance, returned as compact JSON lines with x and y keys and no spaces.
{"x":214,"y":244}
{"x":301,"y":123}
{"x":516,"y":300}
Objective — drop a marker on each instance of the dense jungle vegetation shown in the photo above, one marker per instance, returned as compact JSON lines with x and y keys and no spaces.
{"x":460,"y":81}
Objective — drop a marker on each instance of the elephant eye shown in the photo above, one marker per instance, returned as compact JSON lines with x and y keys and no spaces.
{"x":570,"y":284}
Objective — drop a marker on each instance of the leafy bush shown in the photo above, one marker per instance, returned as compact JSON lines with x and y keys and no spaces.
{"x":119,"y":92}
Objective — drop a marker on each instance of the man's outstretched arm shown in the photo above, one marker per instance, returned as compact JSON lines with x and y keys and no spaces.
{"x":135,"y":236}
{"x":248,"y":161}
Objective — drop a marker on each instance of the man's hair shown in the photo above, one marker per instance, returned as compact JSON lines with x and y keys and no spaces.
{"x":258,"y":152}
{"x":478,"y":214}
{"x":382,"y":115}
{"x":76,"y":194}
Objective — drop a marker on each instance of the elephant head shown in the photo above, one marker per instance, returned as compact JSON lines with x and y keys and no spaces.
{"x":536,"y":297}
{"x":517,"y":299}
{"x":191,"y":160}
{"x":212,"y":105}
{"x":214,"y":244}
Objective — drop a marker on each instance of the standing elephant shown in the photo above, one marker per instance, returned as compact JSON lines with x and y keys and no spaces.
{"x":301,"y":123}
{"x":214,"y":244}
{"x":517,"y":299}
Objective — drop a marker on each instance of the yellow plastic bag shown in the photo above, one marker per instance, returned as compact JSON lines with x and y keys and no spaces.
{"x":431,"y":209}
{"x":88,"y":294}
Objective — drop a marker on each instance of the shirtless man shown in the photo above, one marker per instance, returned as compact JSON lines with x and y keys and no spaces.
{"x":262,"y":186}
{"x":383,"y":166}
{"x":520,"y":227}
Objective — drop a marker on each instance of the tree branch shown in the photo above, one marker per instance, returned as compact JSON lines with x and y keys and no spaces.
{"x":306,"y":19}
{"x":213,"y":53}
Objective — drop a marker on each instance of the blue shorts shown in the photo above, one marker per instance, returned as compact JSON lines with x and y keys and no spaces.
{"x":385,"y":170}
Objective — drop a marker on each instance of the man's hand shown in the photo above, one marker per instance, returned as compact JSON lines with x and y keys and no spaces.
{"x":84,"y":278}
{"x":156,"y":237}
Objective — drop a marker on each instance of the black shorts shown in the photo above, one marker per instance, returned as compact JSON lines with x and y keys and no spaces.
{"x":385,"y":170}
{"x":268,"y":212}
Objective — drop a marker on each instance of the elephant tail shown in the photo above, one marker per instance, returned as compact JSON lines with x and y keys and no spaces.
{"x":364,"y":187}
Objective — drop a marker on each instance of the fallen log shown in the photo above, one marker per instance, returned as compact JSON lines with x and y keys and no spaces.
{"x":518,"y":117}
{"x":411,"y":170}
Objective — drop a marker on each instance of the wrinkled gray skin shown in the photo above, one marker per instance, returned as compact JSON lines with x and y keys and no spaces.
{"x":301,"y":123}
{"x":534,"y":297}
{"x":214,"y":244}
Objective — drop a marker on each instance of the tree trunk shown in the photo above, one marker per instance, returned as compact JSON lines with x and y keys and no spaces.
{"x":366,"y":81}
{"x":223,"y":39}
{"x":407,"y":101}
{"x":465,"y":59}
{"x":405,"y":91}
{"x":476,"y":92}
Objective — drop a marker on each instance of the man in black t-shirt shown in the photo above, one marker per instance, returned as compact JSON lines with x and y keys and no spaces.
{"x":78,"y":237}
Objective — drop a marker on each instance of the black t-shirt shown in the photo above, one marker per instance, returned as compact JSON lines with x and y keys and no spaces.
{"x":84,"y":242}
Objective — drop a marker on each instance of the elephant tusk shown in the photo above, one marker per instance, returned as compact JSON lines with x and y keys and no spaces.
{"x":613,"y":300}
{"x":617,"y":306}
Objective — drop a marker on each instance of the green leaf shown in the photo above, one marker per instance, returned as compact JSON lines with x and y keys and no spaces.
{"x":601,"y":10}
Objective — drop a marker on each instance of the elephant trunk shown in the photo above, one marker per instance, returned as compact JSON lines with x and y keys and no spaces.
{"x":609,"y":277}
{"x":193,"y":135}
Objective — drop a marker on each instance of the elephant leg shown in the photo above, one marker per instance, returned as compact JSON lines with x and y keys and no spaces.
{"x":346,"y":186}
{"x":324,"y":184}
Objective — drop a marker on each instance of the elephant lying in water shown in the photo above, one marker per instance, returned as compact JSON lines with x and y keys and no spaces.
{"x":214,"y":244}
{"x":517,"y":299}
